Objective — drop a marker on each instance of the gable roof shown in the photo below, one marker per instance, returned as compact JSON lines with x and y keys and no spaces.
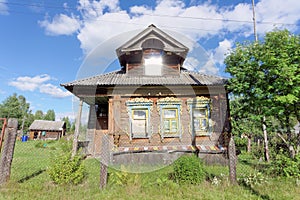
{"x":152,"y":32}
{"x":119,"y":78}
{"x":45,"y":125}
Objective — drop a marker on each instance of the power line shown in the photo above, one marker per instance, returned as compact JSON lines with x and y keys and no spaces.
{"x":153,"y":15}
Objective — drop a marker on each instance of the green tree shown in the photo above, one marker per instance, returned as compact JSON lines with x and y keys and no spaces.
{"x":39,"y":115}
{"x":68,"y":124}
{"x":50,"y":115}
{"x":15,"y":106}
{"x":266,"y":74}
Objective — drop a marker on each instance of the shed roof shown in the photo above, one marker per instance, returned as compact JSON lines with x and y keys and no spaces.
{"x":121,"y":78}
{"x":45,"y":125}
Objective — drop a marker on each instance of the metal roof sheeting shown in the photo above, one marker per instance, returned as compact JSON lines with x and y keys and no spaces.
{"x":45,"y":125}
{"x":121,"y":78}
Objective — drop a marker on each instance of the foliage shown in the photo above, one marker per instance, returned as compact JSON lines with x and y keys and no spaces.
{"x":67,"y":170}
{"x":65,"y":145}
{"x":50,"y":115}
{"x":14,"y":106}
{"x":188,"y":169}
{"x":68,"y":124}
{"x":256,"y":178}
{"x":153,"y":185}
{"x":266,"y":78}
{"x":240,"y":143}
{"x":283,"y":165}
{"x":123,"y":177}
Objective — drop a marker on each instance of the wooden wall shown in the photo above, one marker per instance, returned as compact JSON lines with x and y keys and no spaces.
{"x":122,"y":125}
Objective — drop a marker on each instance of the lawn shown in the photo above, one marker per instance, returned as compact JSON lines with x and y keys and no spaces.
{"x":29,"y":180}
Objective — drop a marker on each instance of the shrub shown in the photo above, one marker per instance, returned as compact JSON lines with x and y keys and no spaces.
{"x":67,"y":170}
{"x":123,"y":177}
{"x":188,"y":169}
{"x":283,"y":165}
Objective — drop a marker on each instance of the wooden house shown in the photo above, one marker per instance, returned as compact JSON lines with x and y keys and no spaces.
{"x":46,"y":130}
{"x":153,"y":105}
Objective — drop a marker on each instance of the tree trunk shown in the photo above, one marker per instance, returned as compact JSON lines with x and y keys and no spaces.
{"x":249,"y":143}
{"x":266,"y":145}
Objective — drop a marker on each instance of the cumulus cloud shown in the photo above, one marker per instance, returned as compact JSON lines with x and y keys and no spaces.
{"x":3,"y":8}
{"x":276,"y":14}
{"x":53,"y":91}
{"x":61,"y":25}
{"x":209,"y":68}
{"x":98,"y":21}
{"x":26,"y":83}
{"x":223,"y":48}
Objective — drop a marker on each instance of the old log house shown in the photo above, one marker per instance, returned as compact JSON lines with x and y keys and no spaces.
{"x":154,"y":105}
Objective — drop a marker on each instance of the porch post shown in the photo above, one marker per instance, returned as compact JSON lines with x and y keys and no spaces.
{"x":77,"y":127}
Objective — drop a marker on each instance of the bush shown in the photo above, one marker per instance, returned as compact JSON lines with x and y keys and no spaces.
{"x":188,"y":169}
{"x":67,"y":170}
{"x":283,"y":165}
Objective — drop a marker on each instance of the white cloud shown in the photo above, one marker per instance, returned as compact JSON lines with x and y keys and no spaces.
{"x":53,"y":91}
{"x":209,"y":68}
{"x":99,"y":21}
{"x":220,"y":52}
{"x":3,"y":8}
{"x":26,"y":83}
{"x":61,"y":25}
{"x":191,"y":63}
{"x":59,"y":116}
{"x":278,"y":12}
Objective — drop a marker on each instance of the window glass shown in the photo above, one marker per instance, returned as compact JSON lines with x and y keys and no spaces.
{"x":170,"y":117}
{"x":139,"y":125}
{"x":200,"y":119}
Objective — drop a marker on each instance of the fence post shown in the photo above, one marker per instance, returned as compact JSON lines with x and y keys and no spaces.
{"x":104,"y":160}
{"x":8,"y":150}
{"x":77,"y":129}
{"x":232,"y":161}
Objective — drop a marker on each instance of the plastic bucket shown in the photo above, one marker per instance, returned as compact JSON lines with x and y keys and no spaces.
{"x":24,"y":138}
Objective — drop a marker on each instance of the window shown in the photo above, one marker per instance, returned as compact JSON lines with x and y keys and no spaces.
{"x":169,"y":109}
{"x":200,"y":121}
{"x":170,"y":121}
{"x":139,"y":123}
{"x":139,"y":110}
{"x":153,"y":62}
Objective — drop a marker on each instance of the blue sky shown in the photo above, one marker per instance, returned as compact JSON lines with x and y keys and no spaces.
{"x":44,"y":43}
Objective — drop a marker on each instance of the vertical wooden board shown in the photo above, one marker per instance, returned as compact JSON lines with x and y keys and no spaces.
{"x":8,"y":150}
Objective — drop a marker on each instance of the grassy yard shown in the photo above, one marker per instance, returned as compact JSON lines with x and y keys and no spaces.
{"x":30,"y":180}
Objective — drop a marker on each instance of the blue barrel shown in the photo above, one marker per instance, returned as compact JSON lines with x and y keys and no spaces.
{"x":24,"y":138}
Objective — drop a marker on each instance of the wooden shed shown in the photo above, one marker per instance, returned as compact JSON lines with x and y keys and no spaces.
{"x":47,"y":130}
{"x":153,"y":104}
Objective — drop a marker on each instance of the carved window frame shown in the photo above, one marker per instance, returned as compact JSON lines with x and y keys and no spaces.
{"x":204,"y":104}
{"x":169,"y":103}
{"x":141,"y":104}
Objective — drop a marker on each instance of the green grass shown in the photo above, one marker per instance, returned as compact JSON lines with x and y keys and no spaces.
{"x":29,"y":180}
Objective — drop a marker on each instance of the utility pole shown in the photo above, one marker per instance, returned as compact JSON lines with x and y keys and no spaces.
{"x":254,"y":21}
